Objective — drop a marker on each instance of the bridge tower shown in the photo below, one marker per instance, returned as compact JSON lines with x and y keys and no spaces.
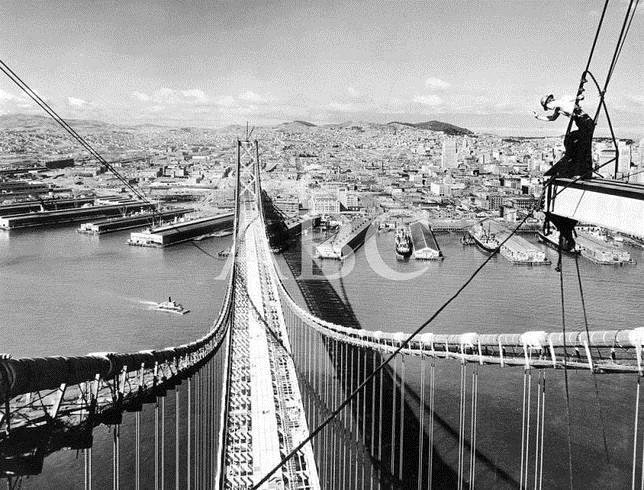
{"x":248,"y":185}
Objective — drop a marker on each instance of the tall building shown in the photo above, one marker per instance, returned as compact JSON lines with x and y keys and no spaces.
{"x":448,"y":156}
{"x":606,"y":153}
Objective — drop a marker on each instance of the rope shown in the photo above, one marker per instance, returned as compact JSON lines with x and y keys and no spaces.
{"x":47,"y":108}
{"x":565,"y":364}
{"x":403,"y":345}
{"x":582,"y":80}
{"x":597,"y":401}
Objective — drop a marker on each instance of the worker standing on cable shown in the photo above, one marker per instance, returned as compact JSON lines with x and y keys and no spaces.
{"x":577,"y":160}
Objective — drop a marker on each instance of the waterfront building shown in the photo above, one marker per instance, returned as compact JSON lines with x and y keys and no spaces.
{"x":324,"y":203}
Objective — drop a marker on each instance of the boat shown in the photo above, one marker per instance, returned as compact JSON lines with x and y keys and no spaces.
{"x":403,"y":243}
{"x":484,"y":239}
{"x":171,"y":307}
{"x":551,"y":240}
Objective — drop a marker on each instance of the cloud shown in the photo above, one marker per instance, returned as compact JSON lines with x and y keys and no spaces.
{"x":195,"y":93}
{"x":73,"y":101}
{"x":250,"y":96}
{"x":140,"y":96}
{"x":6,"y":96}
{"x":593,"y":13}
{"x":434,"y":83}
{"x":429,"y":100}
{"x":224,"y":101}
{"x":353,"y":92}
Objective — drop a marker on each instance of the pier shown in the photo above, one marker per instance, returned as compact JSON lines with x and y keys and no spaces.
{"x":51,"y":218}
{"x":43,"y":205}
{"x":127,"y":222}
{"x":167,"y":235}
{"x":425,"y":244}
{"x":601,"y":252}
{"x":350,"y":235}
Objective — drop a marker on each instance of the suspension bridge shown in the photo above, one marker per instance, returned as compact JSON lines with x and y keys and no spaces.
{"x":276,"y":397}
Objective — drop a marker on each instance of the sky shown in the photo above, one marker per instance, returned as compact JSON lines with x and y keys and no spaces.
{"x":480,"y":64}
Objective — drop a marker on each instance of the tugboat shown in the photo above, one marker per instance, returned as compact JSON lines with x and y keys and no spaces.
{"x":171,"y":307}
{"x":403,"y":243}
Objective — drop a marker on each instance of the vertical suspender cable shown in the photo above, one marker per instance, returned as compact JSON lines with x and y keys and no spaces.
{"x":432,"y":408}
{"x":357,"y":416}
{"x":392,"y":462}
{"x":421,"y":432}
{"x":156,"y":444}
{"x":176,"y":438}
{"x":402,"y":417}
{"x":373,"y":420}
{"x":637,"y":416}
{"x":137,"y":451}
{"x":523,"y":416}
{"x":364,"y":420}
{"x":380,"y":432}
{"x":344,"y":370}
{"x":162,"y":444}
{"x":188,"y":435}
{"x":527,"y":430}
{"x":473,"y":424}
{"x":115,"y":458}
{"x":461,"y":426}
{"x":88,"y":474}
{"x":543,"y":424}
{"x":537,"y":441}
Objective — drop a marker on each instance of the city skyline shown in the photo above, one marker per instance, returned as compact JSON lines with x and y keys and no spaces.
{"x":482,"y":65}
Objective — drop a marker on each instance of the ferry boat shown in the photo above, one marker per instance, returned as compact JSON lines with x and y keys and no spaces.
{"x":484,"y":239}
{"x":403,"y":243}
{"x":171,"y":307}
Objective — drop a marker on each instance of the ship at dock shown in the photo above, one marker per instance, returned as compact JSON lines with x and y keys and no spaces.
{"x":484,"y":239}
{"x":403,"y":243}
{"x":493,"y":235}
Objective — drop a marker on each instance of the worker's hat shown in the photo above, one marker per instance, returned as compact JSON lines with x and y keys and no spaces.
{"x":545,"y":99}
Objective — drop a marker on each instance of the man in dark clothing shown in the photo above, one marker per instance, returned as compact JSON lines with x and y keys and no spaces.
{"x":577,"y":160}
